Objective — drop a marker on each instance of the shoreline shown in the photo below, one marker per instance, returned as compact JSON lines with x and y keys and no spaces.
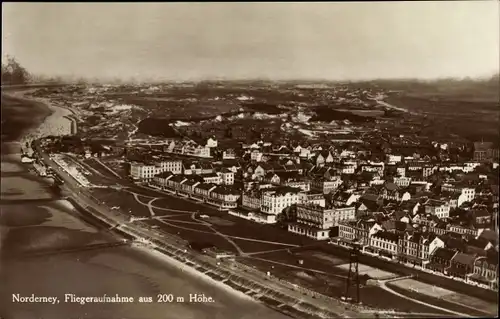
{"x":190,"y":271}
{"x":34,"y":133}
{"x":18,"y":135}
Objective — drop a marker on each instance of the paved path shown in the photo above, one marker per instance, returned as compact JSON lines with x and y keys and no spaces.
{"x":383,"y":285}
{"x":229,"y":240}
{"x":75,"y":185}
{"x":151,"y":208}
{"x":385,"y":281}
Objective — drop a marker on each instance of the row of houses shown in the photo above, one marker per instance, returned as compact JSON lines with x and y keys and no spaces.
{"x":145,"y":172}
{"x":198,"y":187}
{"x":190,"y":148}
{"x":466,"y":257}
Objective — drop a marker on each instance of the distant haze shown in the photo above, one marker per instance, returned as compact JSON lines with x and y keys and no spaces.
{"x":177,"y":41}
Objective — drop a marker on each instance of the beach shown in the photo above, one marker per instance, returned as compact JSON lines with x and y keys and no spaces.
{"x":32,"y":218}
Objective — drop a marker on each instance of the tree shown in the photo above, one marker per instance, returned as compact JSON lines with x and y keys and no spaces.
{"x":287,"y":215}
{"x":14,"y":73}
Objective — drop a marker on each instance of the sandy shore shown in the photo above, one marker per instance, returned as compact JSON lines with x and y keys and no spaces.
{"x":191,"y":271}
{"x":54,"y":124}
{"x":27,"y":222}
{"x":50,"y":127}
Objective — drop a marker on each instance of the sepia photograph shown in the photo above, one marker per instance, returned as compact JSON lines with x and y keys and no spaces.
{"x":250,"y":160}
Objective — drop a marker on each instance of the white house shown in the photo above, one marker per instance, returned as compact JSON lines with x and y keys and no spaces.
{"x":394,"y":158}
{"x":256,"y":155}
{"x":441,"y":209}
{"x":211,"y":142}
{"x":227,"y":176}
{"x":402,"y":181}
{"x":275,"y":200}
{"x":385,"y":241}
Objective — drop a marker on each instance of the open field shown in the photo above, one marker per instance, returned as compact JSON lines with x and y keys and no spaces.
{"x":471,"y":119}
{"x":99,"y":168}
{"x":402,"y":270}
{"x":368,"y":113}
{"x":317,"y":261}
{"x":370,"y":271}
{"x":424,"y":296}
{"x":327,"y":114}
{"x":174,"y":106}
{"x":413,"y":285}
{"x":238,"y":228}
{"x":116,"y":165}
{"x":333,"y":260}
{"x":214,"y":220}
{"x":466,"y":303}
{"x":175,"y":203}
{"x":186,"y":225}
{"x":249,"y":246}
{"x":204,"y":235}
{"x":334,"y":286}
{"x":126,"y":202}
{"x":309,"y":261}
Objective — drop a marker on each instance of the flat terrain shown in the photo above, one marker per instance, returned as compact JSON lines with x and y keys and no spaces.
{"x":284,"y":255}
{"x":444,"y":298}
{"x":268,"y":248}
{"x":471,"y":119}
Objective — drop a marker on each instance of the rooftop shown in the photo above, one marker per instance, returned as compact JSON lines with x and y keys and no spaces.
{"x":444,"y":253}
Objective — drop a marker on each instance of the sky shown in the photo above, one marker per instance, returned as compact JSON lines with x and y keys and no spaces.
{"x":186,"y":41}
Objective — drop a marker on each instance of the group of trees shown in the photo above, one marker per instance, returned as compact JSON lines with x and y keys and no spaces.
{"x":14,"y":73}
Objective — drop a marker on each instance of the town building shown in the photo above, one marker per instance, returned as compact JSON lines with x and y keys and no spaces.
{"x":385,"y":244}
{"x":229,"y":154}
{"x":416,"y":247}
{"x":275,"y":200}
{"x":326,"y":186}
{"x":441,"y":209}
{"x":485,"y":271}
{"x":251,"y":199}
{"x":358,"y":232}
{"x":226,"y":176}
{"x":211,"y":179}
{"x":160,"y":180}
{"x":312,"y":197}
{"x":462,"y":265}
{"x":202,"y":191}
{"x":315,"y":221}
{"x":187,"y":148}
{"x":485,"y":151}
{"x":146,"y":172}
{"x":441,"y":259}
{"x":211,"y":142}
{"x":223,"y":197}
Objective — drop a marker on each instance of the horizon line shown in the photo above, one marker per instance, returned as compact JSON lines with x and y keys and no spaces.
{"x":316,"y":80}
